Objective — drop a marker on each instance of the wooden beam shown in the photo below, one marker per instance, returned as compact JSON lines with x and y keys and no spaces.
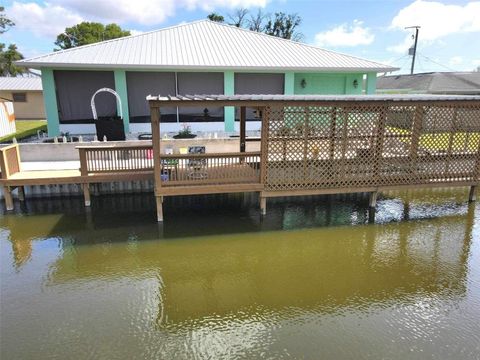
{"x":243,"y":118}
{"x":263,"y":204}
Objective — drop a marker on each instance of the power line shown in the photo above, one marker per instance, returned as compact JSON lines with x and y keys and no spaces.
{"x":435,"y":62}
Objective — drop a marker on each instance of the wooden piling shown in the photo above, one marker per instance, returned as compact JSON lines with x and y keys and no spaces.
{"x":472,"y":195}
{"x":372,"y":201}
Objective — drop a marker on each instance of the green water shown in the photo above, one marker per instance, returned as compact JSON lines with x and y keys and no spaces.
{"x":317,"y":278}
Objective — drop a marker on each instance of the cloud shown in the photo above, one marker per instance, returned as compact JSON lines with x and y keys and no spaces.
{"x":48,"y":20}
{"x":345,"y":35}
{"x":455,"y":60}
{"x":437,"y":20}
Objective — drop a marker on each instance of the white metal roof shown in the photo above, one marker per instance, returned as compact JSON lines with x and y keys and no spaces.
{"x":205,"y":45}
{"x":20,"y":84}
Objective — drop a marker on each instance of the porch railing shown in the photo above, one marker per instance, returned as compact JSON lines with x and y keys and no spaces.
{"x":210,"y":169}
{"x":115,"y":159}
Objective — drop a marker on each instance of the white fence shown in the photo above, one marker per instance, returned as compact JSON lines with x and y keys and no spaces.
{"x":7,"y":118}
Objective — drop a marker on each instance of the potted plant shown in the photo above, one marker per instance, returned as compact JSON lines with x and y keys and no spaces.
{"x":185,"y":133}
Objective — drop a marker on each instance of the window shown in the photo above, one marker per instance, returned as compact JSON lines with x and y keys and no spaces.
{"x":19,"y":97}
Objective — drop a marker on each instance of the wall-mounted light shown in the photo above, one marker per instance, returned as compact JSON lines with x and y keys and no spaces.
{"x":355,"y":83}
{"x":303,"y":83}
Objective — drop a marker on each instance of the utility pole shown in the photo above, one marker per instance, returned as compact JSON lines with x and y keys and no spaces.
{"x":414,"y":52}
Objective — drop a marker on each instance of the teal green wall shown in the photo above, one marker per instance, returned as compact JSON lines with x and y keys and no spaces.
{"x":121,"y":89}
{"x":328,"y":84}
{"x":229,"y":89}
{"x":289,"y":87}
{"x":371,"y":83}
{"x":50,"y":100}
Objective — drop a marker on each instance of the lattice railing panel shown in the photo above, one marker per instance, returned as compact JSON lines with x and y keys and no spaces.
{"x":358,"y":145}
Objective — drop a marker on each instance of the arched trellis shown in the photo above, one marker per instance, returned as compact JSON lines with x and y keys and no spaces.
{"x":111,"y":91}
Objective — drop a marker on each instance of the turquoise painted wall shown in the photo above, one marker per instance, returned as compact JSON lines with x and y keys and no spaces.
{"x":328,"y":84}
{"x":50,"y":100}
{"x":371,"y":83}
{"x":121,"y":89}
{"x":229,"y":111}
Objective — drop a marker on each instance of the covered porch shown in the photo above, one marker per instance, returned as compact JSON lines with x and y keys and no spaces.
{"x":327,"y":144}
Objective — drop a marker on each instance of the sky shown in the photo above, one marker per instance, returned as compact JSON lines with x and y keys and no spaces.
{"x":449,"y":38}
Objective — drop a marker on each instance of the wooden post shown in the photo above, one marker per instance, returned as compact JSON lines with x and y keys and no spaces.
{"x":21,"y":193}
{"x":86,"y":194}
{"x":263,"y":204}
{"x":372,"y":201}
{"x":243,"y":116}
{"x":7,"y":194}
{"x":157,"y":168}
{"x":159,"y":200}
{"x":472,"y":194}
{"x":264,"y":145}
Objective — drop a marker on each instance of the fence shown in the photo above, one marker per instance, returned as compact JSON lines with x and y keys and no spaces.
{"x":363,"y":145}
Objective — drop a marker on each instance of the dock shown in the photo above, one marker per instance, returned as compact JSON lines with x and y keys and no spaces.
{"x":309,"y":145}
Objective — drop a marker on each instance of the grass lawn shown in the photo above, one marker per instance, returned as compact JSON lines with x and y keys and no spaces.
{"x":26,"y":128}
{"x":440,"y":141}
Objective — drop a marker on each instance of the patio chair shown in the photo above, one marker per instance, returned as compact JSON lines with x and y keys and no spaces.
{"x":197,"y":168}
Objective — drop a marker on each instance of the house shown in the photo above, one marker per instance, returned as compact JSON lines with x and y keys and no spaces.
{"x":201,"y":57}
{"x":456,"y":83}
{"x":26,"y":95}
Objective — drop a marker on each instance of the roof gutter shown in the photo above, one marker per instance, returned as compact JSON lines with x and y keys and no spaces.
{"x":40,"y":65}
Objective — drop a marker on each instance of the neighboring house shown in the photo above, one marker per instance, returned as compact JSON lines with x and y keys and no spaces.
{"x":463,"y":83}
{"x":201,"y":57}
{"x":26,"y":95}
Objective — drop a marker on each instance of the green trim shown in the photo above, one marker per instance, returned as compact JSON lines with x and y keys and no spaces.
{"x":289,"y":85}
{"x":371,"y":83}
{"x":229,"y":89}
{"x":121,"y":89}
{"x":50,"y":100}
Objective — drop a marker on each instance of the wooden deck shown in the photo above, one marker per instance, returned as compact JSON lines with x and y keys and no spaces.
{"x":308,"y":146}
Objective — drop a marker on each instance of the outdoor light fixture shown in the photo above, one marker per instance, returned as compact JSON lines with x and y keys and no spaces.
{"x":303,"y":83}
{"x":355,"y":83}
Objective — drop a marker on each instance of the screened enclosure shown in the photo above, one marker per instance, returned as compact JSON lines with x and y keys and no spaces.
{"x":252,"y":83}
{"x":190,"y":83}
{"x":140,"y":85}
{"x":75,"y":90}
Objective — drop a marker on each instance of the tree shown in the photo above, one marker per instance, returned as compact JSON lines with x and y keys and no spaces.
{"x":257,"y":21}
{"x":7,"y":59}
{"x":5,"y":23}
{"x":238,"y":17}
{"x":88,"y":33}
{"x":284,"y":26}
{"x":216,"y":17}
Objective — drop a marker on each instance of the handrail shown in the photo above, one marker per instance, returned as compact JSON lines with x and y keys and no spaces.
{"x":209,"y":155}
{"x":114,"y":146}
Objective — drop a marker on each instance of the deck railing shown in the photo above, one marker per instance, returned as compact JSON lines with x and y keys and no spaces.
{"x":115,"y":159}
{"x":210,"y":169}
{"x":9,"y":160}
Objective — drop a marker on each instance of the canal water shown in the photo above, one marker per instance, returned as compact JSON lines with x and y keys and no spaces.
{"x":316,"y":278}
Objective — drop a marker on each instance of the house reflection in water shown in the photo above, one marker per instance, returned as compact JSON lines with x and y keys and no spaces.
{"x":234,"y":262}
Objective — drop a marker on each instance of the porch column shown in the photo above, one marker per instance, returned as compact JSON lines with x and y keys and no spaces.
{"x":229,"y":89}
{"x":371,"y":83}
{"x":289,"y":85}
{"x":243,"y":112}
{"x":50,"y":100}
{"x":121,"y":89}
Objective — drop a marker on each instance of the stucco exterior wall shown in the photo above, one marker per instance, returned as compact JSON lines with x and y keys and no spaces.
{"x":328,"y":84}
{"x":33,"y":108}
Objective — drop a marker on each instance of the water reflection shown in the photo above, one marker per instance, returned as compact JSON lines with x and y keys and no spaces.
{"x":220,"y":281}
